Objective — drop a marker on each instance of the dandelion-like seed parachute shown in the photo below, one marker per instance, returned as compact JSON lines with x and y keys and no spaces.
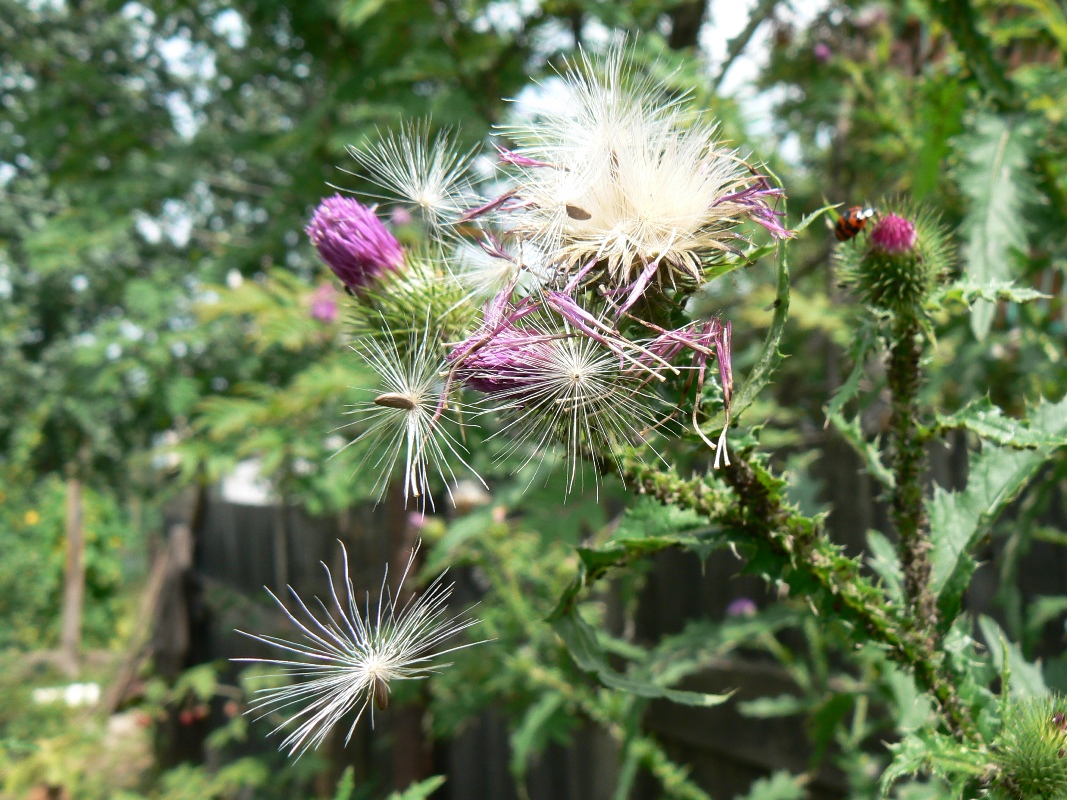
{"x":407,"y":416}
{"x":431,"y":175}
{"x":350,"y":656}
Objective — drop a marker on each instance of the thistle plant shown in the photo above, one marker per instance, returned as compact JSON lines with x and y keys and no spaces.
{"x":615,"y":209}
{"x":550,"y":316}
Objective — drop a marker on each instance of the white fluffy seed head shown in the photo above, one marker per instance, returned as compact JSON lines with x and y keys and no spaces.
{"x":346,"y":657}
{"x":518,"y":265}
{"x":635,"y":178}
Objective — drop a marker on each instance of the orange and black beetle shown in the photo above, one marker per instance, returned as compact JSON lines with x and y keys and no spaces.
{"x":852,"y":222}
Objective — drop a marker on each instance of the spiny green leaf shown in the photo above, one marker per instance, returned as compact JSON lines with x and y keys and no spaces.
{"x":420,"y":790}
{"x":852,"y":432}
{"x":958,"y":520}
{"x":969,"y":292}
{"x":989,"y":422}
{"x":769,"y":357}
{"x":991,"y":175}
{"x":927,"y":751}
{"x":581,"y":642}
{"x":884,"y":561}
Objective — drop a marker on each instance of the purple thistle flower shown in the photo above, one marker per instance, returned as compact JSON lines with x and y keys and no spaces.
{"x":324,"y":304}
{"x":822,"y":52}
{"x":893,"y":234}
{"x":353,"y":242}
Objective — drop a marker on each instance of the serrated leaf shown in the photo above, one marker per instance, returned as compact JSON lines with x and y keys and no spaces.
{"x":926,"y":750}
{"x":885,"y":562}
{"x":994,"y":156}
{"x":958,"y":520}
{"x":990,"y":423}
{"x":852,"y":432}
{"x":420,"y":790}
{"x":686,"y":653}
{"x":1024,"y":678}
{"x":769,"y":357}
{"x":646,"y":528}
{"x":648,"y":518}
{"x":969,"y":292}
{"x":581,"y":642}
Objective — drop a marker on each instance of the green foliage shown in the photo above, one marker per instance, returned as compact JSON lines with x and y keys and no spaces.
{"x":780,"y":786}
{"x":958,"y":520}
{"x":32,"y":518}
{"x":992,"y":176}
{"x":420,"y":790}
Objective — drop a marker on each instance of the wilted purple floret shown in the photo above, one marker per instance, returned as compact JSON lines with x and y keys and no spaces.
{"x":894,"y":234}
{"x":353,"y":242}
{"x":506,"y":363}
{"x":754,"y":200}
{"x":497,"y":356}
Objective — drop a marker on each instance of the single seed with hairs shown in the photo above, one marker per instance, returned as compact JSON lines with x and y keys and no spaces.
{"x":393,"y":400}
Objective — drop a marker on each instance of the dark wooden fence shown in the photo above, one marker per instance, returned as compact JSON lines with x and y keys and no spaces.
{"x":239,"y":549}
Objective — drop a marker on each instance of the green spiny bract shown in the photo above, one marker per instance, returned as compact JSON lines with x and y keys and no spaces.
{"x":420,"y":296}
{"x":1030,"y":753}
{"x":897,"y":262}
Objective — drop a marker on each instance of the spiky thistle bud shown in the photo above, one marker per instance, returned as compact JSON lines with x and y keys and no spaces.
{"x":353,"y":242}
{"x":1030,"y":752}
{"x":896,"y":263}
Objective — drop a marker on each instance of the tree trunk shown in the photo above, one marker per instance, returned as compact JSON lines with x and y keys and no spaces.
{"x":73,"y":580}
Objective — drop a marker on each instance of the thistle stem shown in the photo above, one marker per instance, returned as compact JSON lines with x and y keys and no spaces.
{"x":811,"y":564}
{"x":908,"y":455}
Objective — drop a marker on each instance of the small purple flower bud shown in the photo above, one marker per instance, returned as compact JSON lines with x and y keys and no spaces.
{"x":822,"y":52}
{"x":893,"y":234}
{"x":324,"y":304}
{"x":353,"y":242}
{"x":741,"y":607}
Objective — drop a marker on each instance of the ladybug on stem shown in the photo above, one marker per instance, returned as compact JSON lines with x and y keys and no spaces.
{"x":852,"y":222}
